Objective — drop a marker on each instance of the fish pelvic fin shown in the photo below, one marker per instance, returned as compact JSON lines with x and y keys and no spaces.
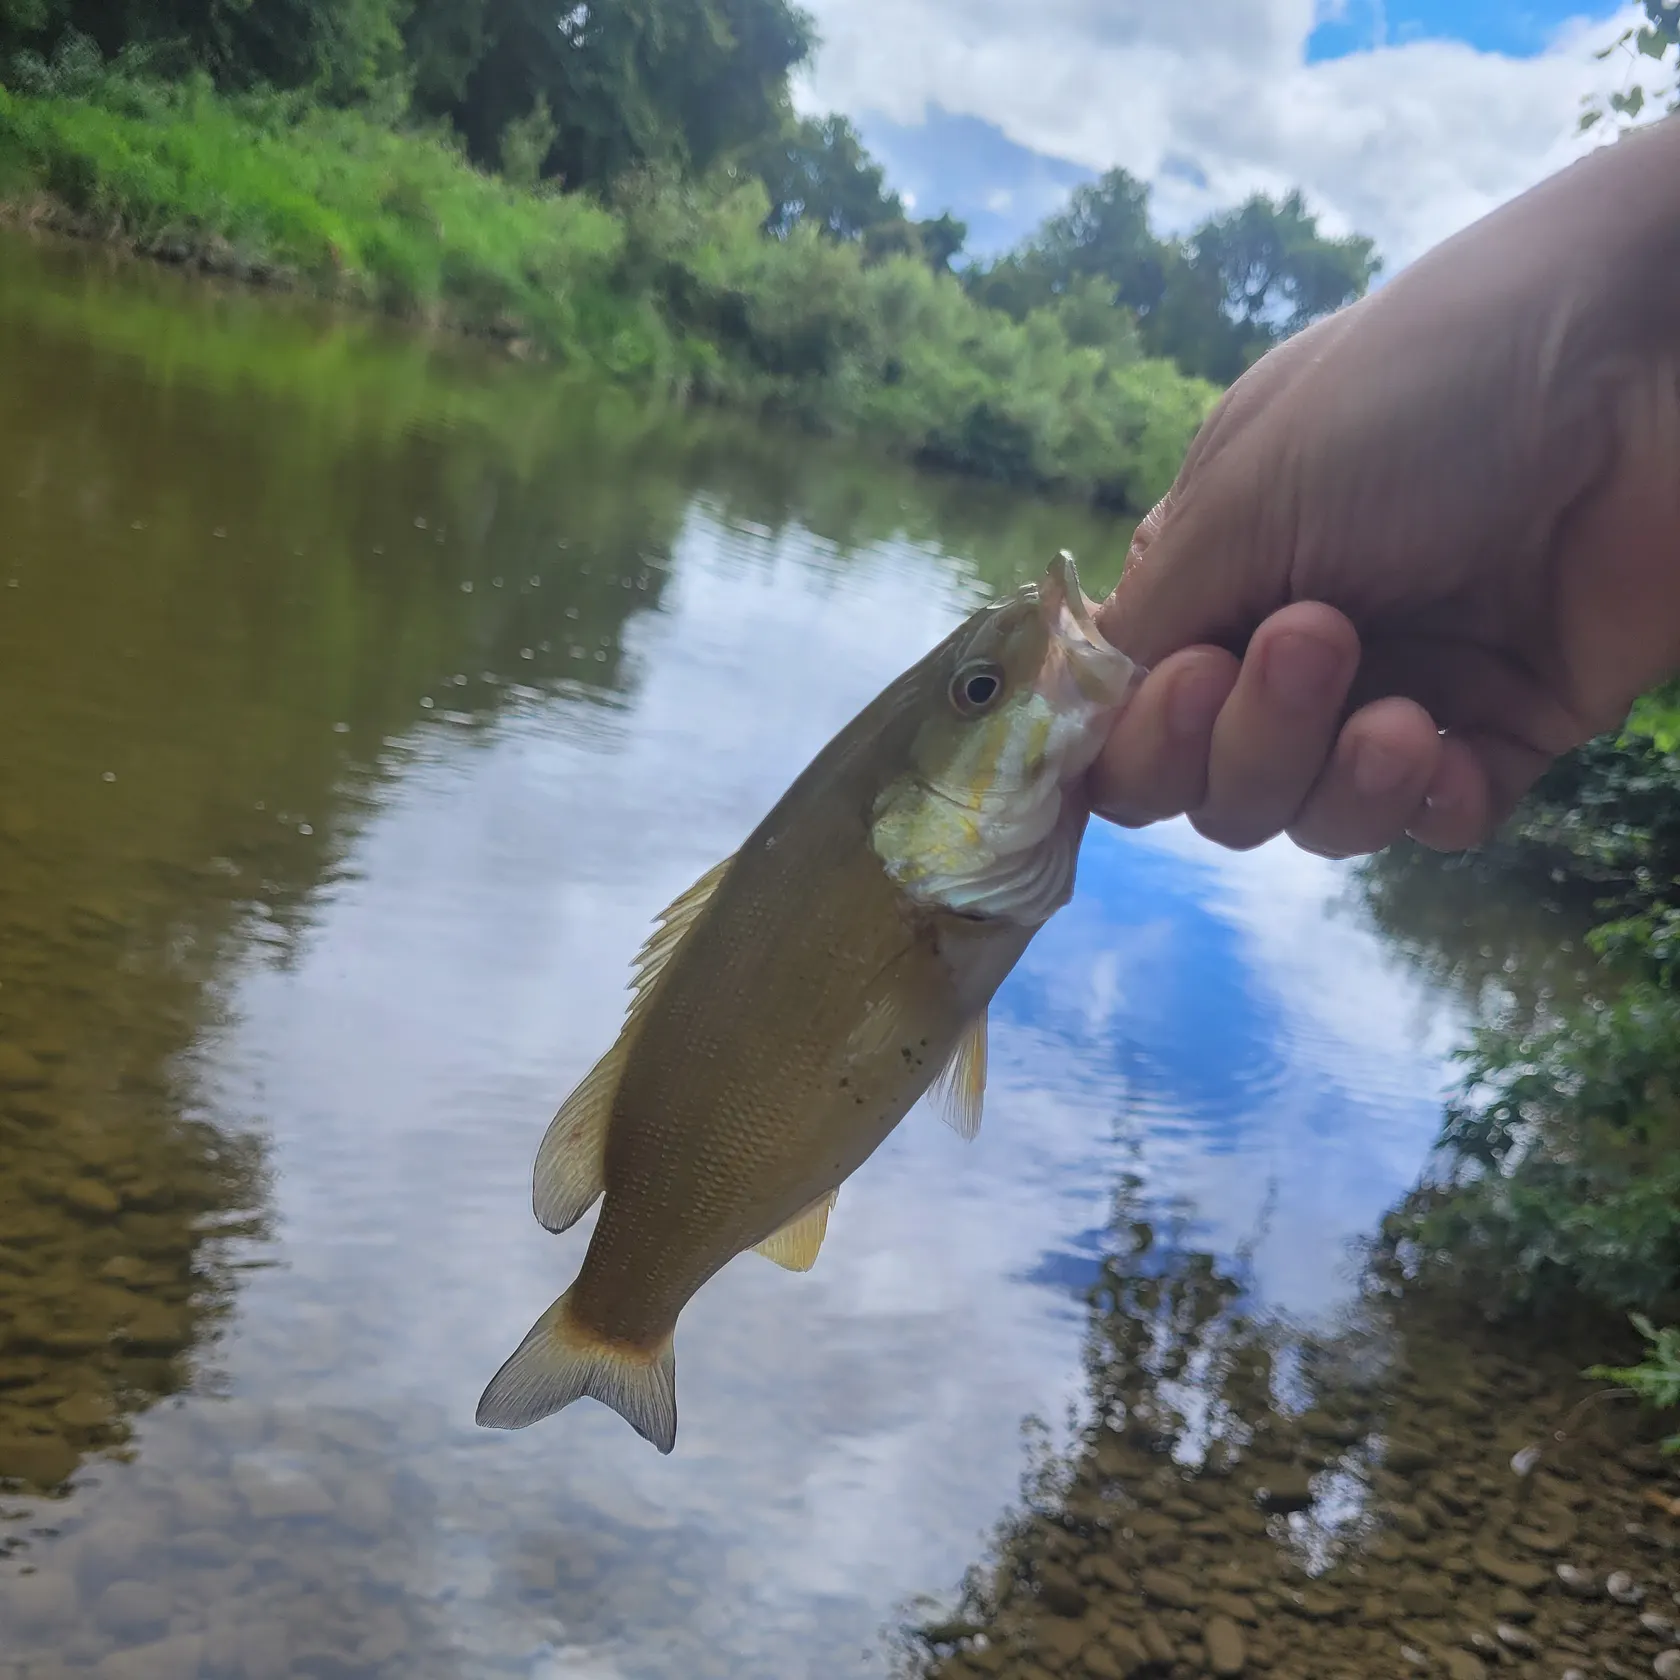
{"x":570,"y":1170}
{"x":959,"y":1091}
{"x":561,"y":1360}
{"x":795,"y":1246}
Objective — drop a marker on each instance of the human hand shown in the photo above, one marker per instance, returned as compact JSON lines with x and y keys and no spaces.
{"x":1442,"y":530}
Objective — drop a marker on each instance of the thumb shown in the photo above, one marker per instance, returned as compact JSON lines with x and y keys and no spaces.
{"x":1190,"y":578}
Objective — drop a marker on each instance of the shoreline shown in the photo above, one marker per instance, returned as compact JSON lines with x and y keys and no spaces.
{"x":673,"y":290}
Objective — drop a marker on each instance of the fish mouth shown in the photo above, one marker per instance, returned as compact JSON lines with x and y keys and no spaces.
{"x":1079,"y":655}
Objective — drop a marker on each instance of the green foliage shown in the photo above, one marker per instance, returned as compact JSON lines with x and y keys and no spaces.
{"x":1656,"y":1378}
{"x":1564,"y":1152}
{"x":631,"y":82}
{"x":811,"y":328}
{"x":1213,"y":302}
{"x":604,"y":97}
{"x":626,"y":81}
{"x":343,"y":52}
{"x":526,"y":143}
{"x":674,"y":287}
{"x":1651,"y":52}
{"x":818,"y":174}
{"x":1276,"y":270}
{"x":1562,"y":1149}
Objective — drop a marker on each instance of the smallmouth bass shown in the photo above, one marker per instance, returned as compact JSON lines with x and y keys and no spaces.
{"x":794,"y":1004}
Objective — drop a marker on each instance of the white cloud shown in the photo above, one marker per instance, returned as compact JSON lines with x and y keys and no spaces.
{"x":1406,"y":142}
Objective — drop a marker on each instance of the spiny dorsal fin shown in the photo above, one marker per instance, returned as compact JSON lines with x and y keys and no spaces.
{"x":796,"y":1244}
{"x":960,"y":1090}
{"x":673,"y":923}
{"x":570,"y":1166}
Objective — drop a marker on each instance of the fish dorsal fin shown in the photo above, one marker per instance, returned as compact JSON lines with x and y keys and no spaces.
{"x":959,"y":1092}
{"x":570,"y":1169}
{"x":673,"y":924}
{"x":796,"y":1244}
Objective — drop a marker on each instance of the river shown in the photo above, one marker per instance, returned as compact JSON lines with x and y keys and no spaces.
{"x":365,"y":696}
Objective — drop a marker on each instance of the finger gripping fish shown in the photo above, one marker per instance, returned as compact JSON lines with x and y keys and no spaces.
{"x":792,"y":1006}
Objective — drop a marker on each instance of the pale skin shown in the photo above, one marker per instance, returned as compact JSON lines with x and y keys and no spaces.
{"x":1426,"y":546}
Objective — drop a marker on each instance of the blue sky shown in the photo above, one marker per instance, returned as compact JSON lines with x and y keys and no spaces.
{"x":1493,"y":26}
{"x":1403,"y":119}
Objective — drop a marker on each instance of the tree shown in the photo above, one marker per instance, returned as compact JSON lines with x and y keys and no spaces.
{"x":1212,"y":302}
{"x":629,"y":82}
{"x":1275,"y":270}
{"x":1649,"y":48}
{"x":942,"y":238}
{"x":934,"y":242}
{"x":817,"y":172}
{"x":346,"y":52}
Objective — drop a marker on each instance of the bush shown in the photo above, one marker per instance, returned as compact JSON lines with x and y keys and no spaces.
{"x":675,"y":285}
{"x":1562,"y":1150}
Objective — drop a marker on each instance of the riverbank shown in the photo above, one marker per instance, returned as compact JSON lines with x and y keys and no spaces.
{"x":1434,"y":1497}
{"x":1561,"y":1151}
{"x":673,"y":289}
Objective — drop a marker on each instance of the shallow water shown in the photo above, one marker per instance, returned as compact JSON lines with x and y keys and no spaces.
{"x":365,"y":700}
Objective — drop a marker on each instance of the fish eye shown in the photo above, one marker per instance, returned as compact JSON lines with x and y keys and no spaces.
{"x":976,"y":686}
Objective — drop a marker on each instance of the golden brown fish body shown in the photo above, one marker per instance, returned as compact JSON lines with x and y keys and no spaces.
{"x":799,"y":999}
{"x":805,"y":1106}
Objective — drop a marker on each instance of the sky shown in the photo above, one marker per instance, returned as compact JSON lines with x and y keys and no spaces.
{"x":1402,"y":119}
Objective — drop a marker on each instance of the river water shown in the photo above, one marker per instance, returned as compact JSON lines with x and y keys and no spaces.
{"x":365,"y":698}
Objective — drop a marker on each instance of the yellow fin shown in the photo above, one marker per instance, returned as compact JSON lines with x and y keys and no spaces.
{"x":560,"y":1361}
{"x":960,"y":1090}
{"x":674,"y":922}
{"x":796,"y":1244}
{"x":570,"y":1168}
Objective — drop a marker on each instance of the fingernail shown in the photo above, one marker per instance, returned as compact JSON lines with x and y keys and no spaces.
{"x":1194,"y":704}
{"x":1377,"y":769}
{"x":1301,"y":670}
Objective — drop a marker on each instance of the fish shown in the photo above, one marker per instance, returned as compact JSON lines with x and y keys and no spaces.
{"x":792,"y":1006}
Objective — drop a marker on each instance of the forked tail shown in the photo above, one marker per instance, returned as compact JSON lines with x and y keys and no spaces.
{"x":561,"y":1360}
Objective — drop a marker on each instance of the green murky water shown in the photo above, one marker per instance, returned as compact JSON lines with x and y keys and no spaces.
{"x":363,"y":698}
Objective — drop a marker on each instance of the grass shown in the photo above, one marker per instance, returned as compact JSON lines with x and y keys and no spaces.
{"x":674,"y":287}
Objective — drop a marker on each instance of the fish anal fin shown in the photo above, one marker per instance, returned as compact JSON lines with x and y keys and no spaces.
{"x":571,"y":1160}
{"x":796,"y":1244}
{"x":561,"y":1360}
{"x":959,"y":1092}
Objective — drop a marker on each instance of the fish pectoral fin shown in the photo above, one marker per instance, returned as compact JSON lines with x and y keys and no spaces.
{"x":959,"y":1092}
{"x":796,"y":1244}
{"x":561,"y":1361}
{"x":570,"y":1170}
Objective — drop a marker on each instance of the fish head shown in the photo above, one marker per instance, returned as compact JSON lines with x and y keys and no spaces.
{"x":986,"y":818}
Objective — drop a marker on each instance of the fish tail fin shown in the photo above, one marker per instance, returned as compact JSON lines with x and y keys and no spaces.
{"x":561,"y":1360}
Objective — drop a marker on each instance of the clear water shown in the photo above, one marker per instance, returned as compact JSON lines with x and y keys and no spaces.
{"x":364,"y":700}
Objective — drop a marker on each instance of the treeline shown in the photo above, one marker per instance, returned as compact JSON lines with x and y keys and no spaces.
{"x":626,"y":184}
